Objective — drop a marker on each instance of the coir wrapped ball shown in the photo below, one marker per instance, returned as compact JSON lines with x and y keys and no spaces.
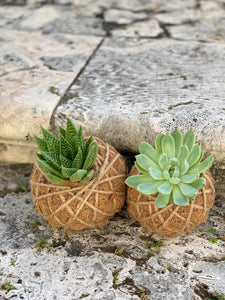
{"x":172,"y":219}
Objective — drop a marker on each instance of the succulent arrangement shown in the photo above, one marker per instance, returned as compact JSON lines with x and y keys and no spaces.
{"x":173,"y":170}
{"x":69,"y":157}
{"x":77,"y":182}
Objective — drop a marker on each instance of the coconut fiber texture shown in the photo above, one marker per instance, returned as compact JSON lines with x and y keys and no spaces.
{"x":172,"y":219}
{"x":77,"y":206}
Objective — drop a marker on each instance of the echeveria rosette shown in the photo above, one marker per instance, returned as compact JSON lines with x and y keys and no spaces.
{"x":173,"y":170}
{"x":69,"y":158}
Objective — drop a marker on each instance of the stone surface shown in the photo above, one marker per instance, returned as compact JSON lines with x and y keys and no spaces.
{"x":40,"y":17}
{"x":57,"y":19}
{"x":8,"y":16}
{"x":202,"y":32}
{"x":179,"y":16}
{"x":147,"y":5}
{"x":34,"y":74}
{"x":211,"y":10}
{"x":147,"y":265}
{"x":145,"y":29}
{"x":132,"y":90}
{"x":122,"y":16}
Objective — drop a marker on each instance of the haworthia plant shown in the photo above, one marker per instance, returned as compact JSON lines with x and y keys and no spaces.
{"x":173,"y":170}
{"x":69,"y":157}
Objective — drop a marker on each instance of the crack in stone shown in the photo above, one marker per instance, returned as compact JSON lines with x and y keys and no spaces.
{"x":109,"y":26}
{"x":63,"y":98}
{"x":172,"y":106}
{"x":165,"y":30}
{"x":18,"y":70}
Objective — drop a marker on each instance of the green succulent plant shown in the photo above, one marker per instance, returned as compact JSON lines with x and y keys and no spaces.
{"x":173,"y":170}
{"x":69,"y":157}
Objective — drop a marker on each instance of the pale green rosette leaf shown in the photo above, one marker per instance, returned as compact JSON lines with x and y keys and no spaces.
{"x":135,"y":180}
{"x":149,"y":188}
{"x":149,"y":151}
{"x":168,"y":145}
{"x":162,"y":200}
{"x":189,"y":139}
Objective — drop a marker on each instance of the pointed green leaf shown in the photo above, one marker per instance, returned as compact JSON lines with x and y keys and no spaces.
{"x":179,"y":198}
{"x":90,"y":145}
{"x":156,"y":174}
{"x":55,"y":179}
{"x":91,"y":156}
{"x":168,"y":145}
{"x":149,"y":188}
{"x":49,"y":168}
{"x":189,"y":139}
{"x":184,"y":167}
{"x":198,"y":184}
{"x":88,"y":177}
{"x":82,"y":143}
{"x":163,"y":161}
{"x":78,"y":160}
{"x":67,"y":163}
{"x":67,"y":172}
{"x":187,"y":189}
{"x":165,"y":188}
{"x":90,"y":139}
{"x":40,"y":156}
{"x":65,"y":148}
{"x":149,"y":151}
{"x":135,"y":180}
{"x":52,"y":158}
{"x":195,"y":155}
{"x":70,"y":131}
{"x":62,"y":132}
{"x":78,"y":176}
{"x":145,"y":163}
{"x":183,"y":153}
{"x":78,"y":141}
{"x":203,"y":166}
{"x":189,"y":178}
{"x":75,"y":143}
{"x":140,"y":169}
{"x":162,"y":200}
{"x":52,"y":142}
{"x":42,"y":145}
{"x":178,"y":139}
{"x":158,"y":143}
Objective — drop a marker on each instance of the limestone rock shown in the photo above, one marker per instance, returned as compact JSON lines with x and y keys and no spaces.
{"x":204,"y":32}
{"x":148,"y":5}
{"x":212,"y":10}
{"x":42,"y":261}
{"x":40,"y":17}
{"x":179,"y":16}
{"x":133,"y":89}
{"x":123,"y":16}
{"x":149,"y":28}
{"x":35,"y":71}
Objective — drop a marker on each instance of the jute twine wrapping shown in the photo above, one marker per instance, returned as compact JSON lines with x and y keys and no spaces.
{"x":172,"y":219}
{"x":77,"y":206}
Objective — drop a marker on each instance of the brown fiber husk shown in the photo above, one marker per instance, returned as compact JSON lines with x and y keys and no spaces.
{"x":172,"y":219}
{"x":77,"y":206}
